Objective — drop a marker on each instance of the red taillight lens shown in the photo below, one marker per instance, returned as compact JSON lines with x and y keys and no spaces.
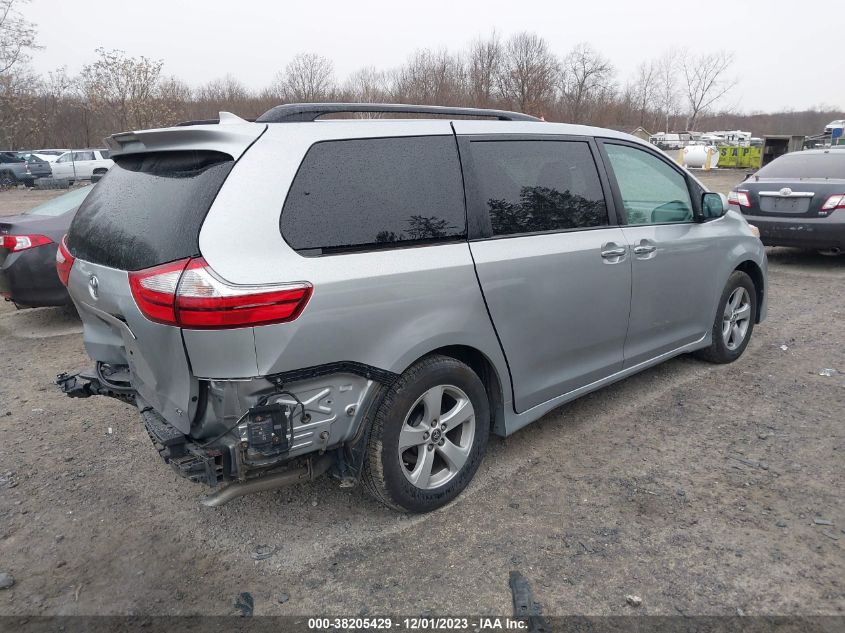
{"x":739,"y":197}
{"x":836,"y":201}
{"x":189,"y":294}
{"x":17,"y":243}
{"x":64,"y":261}
{"x":154,"y":290}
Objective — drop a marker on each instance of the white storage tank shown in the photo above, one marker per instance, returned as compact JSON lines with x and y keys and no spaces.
{"x":701,"y":156}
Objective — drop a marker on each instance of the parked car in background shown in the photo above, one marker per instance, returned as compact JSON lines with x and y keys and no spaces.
{"x":15,"y":170}
{"x":50,"y":155}
{"x":28,"y":244}
{"x":38,"y":167}
{"x":86,"y":164}
{"x":797,"y":200}
{"x":402,"y":289}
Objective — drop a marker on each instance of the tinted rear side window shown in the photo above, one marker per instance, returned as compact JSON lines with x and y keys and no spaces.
{"x":534,"y":186}
{"x":799,"y":165}
{"x":375,"y":193}
{"x":148,"y":209}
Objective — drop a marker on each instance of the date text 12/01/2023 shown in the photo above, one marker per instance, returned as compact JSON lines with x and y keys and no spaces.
{"x":421,"y":623}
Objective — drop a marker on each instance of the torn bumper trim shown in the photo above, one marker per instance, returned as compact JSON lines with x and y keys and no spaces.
{"x":85,"y":384}
{"x":369,"y":372}
{"x":200,"y":465}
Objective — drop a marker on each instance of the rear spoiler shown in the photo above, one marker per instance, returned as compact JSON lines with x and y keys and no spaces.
{"x":232,"y":135}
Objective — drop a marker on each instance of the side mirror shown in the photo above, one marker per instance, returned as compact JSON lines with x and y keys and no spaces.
{"x":713,"y":205}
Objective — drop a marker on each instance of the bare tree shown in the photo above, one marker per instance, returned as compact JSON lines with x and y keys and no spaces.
{"x":116,"y":92}
{"x":483,"y":66}
{"x":17,"y":36}
{"x":667,"y":86}
{"x":226,"y":89}
{"x":586,"y":77}
{"x":126,"y":89}
{"x":366,"y":85}
{"x":645,"y":89}
{"x":429,"y":77}
{"x":529,"y":73}
{"x":308,"y":77}
{"x":704,"y":81}
{"x":19,"y":119}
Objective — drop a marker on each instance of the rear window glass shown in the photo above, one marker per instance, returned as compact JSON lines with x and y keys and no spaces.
{"x":535,"y":186}
{"x":375,"y":193}
{"x":148,"y":209}
{"x":799,"y":165}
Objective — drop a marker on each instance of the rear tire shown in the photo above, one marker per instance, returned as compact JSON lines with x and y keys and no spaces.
{"x":7,"y":179}
{"x":734,"y":321}
{"x":438,"y":412}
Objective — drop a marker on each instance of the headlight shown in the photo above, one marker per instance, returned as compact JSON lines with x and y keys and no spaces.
{"x":754,"y":230}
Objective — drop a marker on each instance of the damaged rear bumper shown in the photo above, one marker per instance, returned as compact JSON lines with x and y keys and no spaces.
{"x":256,"y":434}
{"x":189,"y":459}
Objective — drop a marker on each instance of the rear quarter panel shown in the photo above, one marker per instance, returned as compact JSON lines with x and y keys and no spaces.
{"x":383,"y":308}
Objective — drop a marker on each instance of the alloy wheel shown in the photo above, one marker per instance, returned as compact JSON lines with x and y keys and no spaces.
{"x":436,"y":437}
{"x":736,"y":318}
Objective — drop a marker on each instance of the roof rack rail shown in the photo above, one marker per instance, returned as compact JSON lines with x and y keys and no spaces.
{"x":297,"y":112}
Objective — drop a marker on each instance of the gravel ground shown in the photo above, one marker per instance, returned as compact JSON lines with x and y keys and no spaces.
{"x":703,"y":489}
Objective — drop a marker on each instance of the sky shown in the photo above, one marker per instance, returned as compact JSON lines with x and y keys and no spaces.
{"x":783,"y":59}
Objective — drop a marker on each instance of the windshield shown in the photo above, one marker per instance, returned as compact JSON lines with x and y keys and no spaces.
{"x":62,"y":204}
{"x":31,"y":158}
{"x":801,"y":165}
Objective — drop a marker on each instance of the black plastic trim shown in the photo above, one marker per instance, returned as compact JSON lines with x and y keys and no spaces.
{"x":299,"y":112}
{"x":369,"y":372}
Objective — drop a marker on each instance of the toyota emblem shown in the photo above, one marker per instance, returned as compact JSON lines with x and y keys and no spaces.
{"x":786,"y":191}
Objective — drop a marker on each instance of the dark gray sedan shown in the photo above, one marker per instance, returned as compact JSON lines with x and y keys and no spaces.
{"x":28,"y":244}
{"x":797,"y":200}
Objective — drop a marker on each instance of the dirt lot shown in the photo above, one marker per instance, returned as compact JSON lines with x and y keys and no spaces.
{"x":703,"y":489}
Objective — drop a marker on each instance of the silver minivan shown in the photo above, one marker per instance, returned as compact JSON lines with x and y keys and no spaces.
{"x":373,"y":297}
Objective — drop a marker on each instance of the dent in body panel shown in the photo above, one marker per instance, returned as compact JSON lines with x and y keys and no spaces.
{"x":116,"y":332}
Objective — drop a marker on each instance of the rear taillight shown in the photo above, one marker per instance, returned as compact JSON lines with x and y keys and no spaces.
{"x":17,"y":243}
{"x":739,"y":197}
{"x":836,"y":201}
{"x":154,"y":290}
{"x":189,"y":294}
{"x":64,"y":261}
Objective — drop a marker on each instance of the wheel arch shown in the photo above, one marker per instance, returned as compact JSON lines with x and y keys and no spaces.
{"x":481,"y":364}
{"x":753,"y":270}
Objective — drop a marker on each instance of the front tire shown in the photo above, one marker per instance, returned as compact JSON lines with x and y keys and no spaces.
{"x":734,"y":321}
{"x":428,"y":436}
